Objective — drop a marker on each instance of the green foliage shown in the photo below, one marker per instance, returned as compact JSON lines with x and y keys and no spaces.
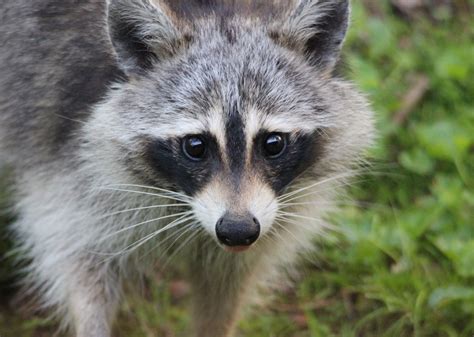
{"x":403,"y":263}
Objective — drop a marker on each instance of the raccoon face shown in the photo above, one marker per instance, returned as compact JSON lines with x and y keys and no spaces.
{"x":234,"y":112}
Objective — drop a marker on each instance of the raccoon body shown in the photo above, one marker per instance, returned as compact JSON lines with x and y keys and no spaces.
{"x":213,"y":132}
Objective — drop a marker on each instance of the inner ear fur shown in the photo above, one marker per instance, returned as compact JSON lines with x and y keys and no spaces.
{"x":143,"y":32}
{"x":317,"y":29}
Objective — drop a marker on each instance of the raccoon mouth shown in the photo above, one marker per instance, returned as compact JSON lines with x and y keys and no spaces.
{"x":237,"y":249}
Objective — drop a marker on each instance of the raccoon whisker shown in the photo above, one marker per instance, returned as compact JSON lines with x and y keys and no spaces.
{"x":142,"y":208}
{"x":320,"y":188}
{"x":165,"y":196}
{"x":378,"y":169}
{"x":146,"y":222}
{"x":269,"y":238}
{"x":191,"y":226}
{"x":179,"y":233}
{"x":291,"y":193}
{"x":318,"y":191}
{"x":148,"y":237}
{"x":291,"y":217}
{"x":186,"y":242}
{"x":336,"y":202}
{"x":286,"y":230}
{"x":320,"y":229}
{"x":274,"y":237}
{"x":293,"y":221}
{"x":288,"y":214}
{"x":184,"y":196}
{"x":278,"y":238}
{"x":316,"y":203}
{"x":267,"y":210}
{"x":303,"y":224}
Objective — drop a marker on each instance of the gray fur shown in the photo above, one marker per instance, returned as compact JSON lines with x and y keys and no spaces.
{"x":79,"y":107}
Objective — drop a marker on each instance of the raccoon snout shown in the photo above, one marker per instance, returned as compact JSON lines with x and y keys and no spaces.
{"x":237,"y":231}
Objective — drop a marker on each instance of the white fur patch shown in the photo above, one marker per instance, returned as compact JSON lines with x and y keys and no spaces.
{"x":217,"y":199}
{"x":209,"y":206}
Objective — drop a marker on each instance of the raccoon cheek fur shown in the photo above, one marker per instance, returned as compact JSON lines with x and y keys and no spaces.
{"x":156,"y":130}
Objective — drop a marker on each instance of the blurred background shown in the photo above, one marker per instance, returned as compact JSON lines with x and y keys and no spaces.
{"x":402,"y":263}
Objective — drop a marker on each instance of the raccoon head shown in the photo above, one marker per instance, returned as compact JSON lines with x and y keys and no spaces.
{"x":232,"y":110}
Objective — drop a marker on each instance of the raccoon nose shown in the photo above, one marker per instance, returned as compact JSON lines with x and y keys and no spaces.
{"x":237,"y":231}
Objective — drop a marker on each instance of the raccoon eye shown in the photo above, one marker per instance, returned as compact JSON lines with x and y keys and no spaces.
{"x":194,"y":147}
{"x":274,"y":145}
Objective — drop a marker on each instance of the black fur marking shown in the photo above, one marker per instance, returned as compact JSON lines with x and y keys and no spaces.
{"x":127,"y":40}
{"x":235,"y":142}
{"x":302,"y":151}
{"x":167,"y":159}
{"x":324,"y":46}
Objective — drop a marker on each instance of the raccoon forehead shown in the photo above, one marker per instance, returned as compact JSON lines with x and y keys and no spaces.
{"x":196,"y":92}
{"x":218,"y":122}
{"x":287,"y":122}
{"x":195,"y":113}
{"x":204,"y":97}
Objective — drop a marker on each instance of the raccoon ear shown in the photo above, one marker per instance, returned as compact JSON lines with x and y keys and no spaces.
{"x":142,"y":32}
{"x":317,"y":28}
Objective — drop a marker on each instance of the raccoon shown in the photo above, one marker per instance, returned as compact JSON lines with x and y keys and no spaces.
{"x":213,"y":134}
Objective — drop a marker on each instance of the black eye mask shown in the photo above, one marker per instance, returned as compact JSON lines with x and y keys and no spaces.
{"x":169,"y":160}
{"x":301,"y":152}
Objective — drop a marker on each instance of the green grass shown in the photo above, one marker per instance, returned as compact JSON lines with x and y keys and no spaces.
{"x":403,"y":264}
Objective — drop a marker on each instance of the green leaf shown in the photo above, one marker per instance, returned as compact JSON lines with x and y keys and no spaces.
{"x":460,"y":252}
{"x":444,"y":295}
{"x":417,"y":161}
{"x":444,"y":139}
{"x":451,"y":64}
